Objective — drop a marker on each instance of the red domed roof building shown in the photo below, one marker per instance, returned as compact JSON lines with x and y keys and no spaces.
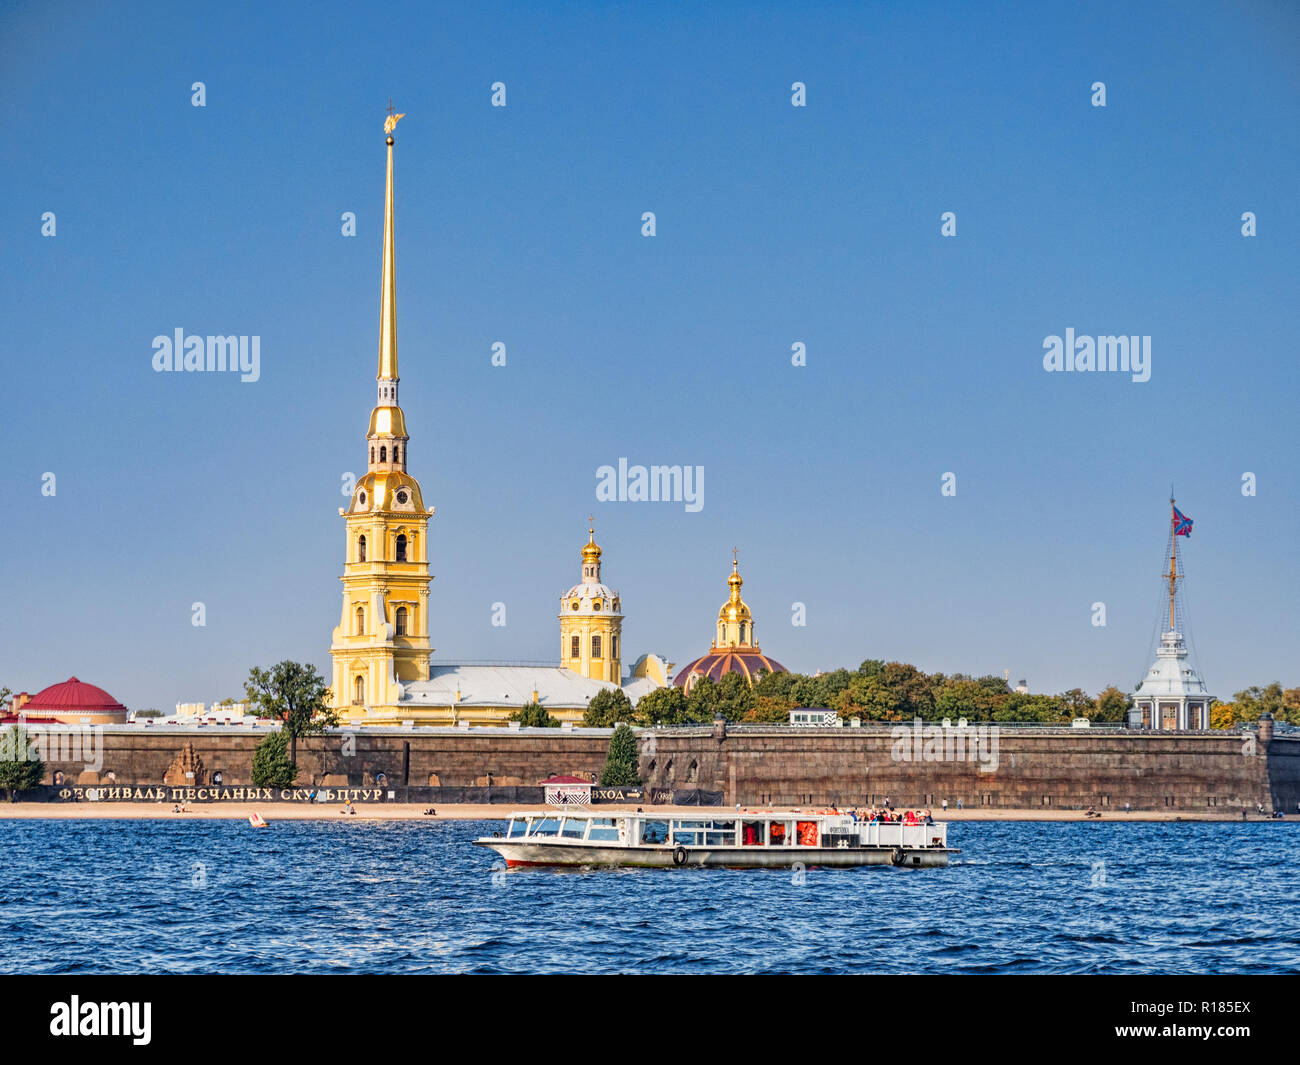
{"x":73,"y":702}
{"x":735,"y":650}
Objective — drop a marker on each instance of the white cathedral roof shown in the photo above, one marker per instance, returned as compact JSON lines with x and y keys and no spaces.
{"x":557,"y":688}
{"x":1170,"y":675}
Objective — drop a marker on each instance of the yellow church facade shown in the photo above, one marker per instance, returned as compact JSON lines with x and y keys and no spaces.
{"x":381,"y":669}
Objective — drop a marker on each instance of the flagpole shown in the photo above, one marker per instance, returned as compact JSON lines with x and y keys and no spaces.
{"x":1173,"y":559}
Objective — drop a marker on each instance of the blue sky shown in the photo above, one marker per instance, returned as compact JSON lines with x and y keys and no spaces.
{"x":775,"y":224}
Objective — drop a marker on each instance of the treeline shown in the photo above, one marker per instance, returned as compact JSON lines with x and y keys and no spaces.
{"x":875,"y":691}
{"x":898,"y":692}
{"x":1246,"y":706}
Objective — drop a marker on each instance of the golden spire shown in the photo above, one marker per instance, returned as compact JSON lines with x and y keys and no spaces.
{"x":735,"y":580}
{"x":388,"y":285}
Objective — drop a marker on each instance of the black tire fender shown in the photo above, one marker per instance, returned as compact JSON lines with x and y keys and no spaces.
{"x":897,"y":857}
{"x":679,"y":855}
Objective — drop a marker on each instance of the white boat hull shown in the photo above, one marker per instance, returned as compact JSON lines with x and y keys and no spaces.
{"x":524,"y":854}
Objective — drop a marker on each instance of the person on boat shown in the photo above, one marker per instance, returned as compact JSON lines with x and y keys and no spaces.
{"x":929,"y":819}
{"x":909,"y":818}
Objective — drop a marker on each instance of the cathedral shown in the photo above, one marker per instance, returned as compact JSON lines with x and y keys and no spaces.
{"x":380,"y":650}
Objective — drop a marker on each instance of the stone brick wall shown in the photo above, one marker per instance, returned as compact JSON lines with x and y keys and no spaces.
{"x":1069,"y":769}
{"x":1036,"y":769}
{"x":444,"y":757}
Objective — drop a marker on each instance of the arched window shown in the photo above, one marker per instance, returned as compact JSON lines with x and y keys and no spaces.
{"x":383,"y":454}
{"x":742,"y":632}
{"x":361,"y":621}
{"x":361,"y":548}
{"x":401,"y":547}
{"x":397,"y":453}
{"x":595,"y":647}
{"x":401,"y":621}
{"x":359,"y":691}
{"x":613,"y":647}
{"x":372,"y":453}
{"x":575,"y":647}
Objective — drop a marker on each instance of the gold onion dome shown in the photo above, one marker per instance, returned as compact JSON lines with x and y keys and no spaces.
{"x":735,"y":608}
{"x":591,"y":549}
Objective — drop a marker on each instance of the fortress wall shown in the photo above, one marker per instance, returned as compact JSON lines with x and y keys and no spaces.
{"x":1033,"y":769}
{"x":448,"y":757}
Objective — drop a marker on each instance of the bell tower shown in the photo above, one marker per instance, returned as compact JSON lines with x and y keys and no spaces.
{"x":382,"y":640}
{"x":591,"y":622}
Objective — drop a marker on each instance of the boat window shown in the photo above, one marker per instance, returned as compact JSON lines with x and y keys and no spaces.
{"x":603,"y":828}
{"x":518,"y":828}
{"x":753,"y":833}
{"x":776,"y":833}
{"x":655,"y":832}
{"x":574,"y":827}
{"x":546,"y":826}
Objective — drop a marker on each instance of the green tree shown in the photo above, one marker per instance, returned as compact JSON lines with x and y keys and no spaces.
{"x":1291,"y":706}
{"x":1256,"y":700}
{"x":534,"y":715}
{"x":663,"y":706}
{"x":1078,"y":704}
{"x":621,"y":761}
{"x":272,"y":765}
{"x":702,"y":701}
{"x":1112,"y":705}
{"x":20,"y":769}
{"x":771,"y":710}
{"x":735,"y":698}
{"x":964,"y":698}
{"x":910,"y":688}
{"x":866,"y":697}
{"x":608,"y":707}
{"x":295,"y":694}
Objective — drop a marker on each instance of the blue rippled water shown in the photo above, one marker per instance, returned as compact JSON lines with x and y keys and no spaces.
{"x":416,"y":897}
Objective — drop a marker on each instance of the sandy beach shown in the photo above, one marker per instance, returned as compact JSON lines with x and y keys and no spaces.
{"x":289,"y":811}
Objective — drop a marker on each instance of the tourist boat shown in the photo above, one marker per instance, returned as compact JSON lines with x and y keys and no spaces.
{"x":745,"y":840}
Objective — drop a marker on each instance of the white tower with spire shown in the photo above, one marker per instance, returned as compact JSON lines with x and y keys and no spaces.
{"x":1172,"y":695}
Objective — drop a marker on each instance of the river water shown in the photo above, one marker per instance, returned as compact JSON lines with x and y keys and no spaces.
{"x":184,"y":896}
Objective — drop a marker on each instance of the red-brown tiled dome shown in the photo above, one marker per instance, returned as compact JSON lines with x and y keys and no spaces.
{"x":748,"y":663}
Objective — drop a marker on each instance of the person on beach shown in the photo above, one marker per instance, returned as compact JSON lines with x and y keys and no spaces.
{"x":945,"y":805}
